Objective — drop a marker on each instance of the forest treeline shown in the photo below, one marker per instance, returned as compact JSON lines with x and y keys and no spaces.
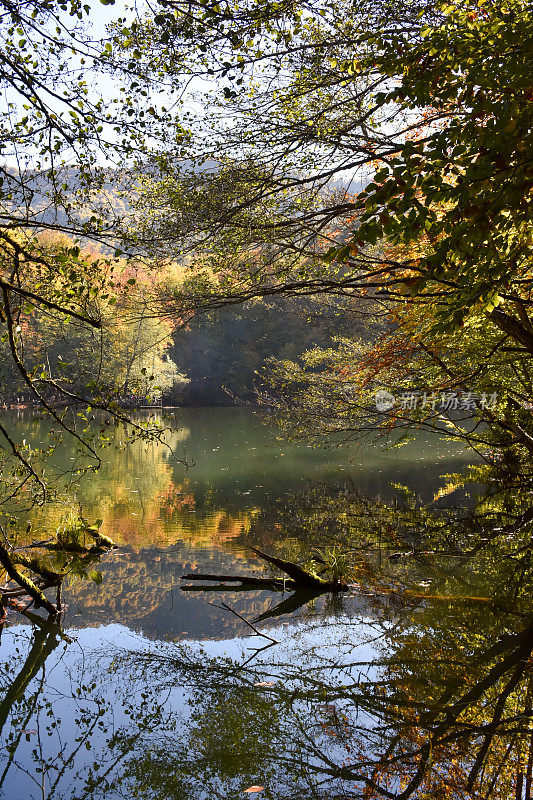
{"x":219,"y":358}
{"x":341,"y":192}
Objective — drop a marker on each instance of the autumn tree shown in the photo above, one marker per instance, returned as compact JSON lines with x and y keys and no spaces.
{"x":435,"y":103}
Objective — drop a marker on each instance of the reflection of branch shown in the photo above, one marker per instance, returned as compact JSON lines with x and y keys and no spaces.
{"x":45,"y":640}
{"x":250,"y":625}
{"x":27,"y":465}
{"x":46,"y":625}
{"x":291,"y":604}
{"x":496,"y":721}
{"x":445,"y":733}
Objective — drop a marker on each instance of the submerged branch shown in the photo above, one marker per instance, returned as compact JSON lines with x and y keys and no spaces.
{"x":298,"y":578}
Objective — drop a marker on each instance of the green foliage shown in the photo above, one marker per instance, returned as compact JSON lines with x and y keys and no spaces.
{"x":124,"y":355}
{"x":70,"y":104}
{"x":337,"y":564}
{"x":70,"y":533}
{"x":463,"y":182}
{"x":224,"y":353}
{"x":439,"y":242}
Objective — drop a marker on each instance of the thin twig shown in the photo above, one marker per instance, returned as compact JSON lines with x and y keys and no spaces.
{"x":255,"y":630}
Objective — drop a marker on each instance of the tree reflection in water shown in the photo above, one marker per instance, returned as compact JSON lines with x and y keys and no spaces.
{"x":408,"y":692}
{"x":402,"y":707}
{"x":69,"y":726}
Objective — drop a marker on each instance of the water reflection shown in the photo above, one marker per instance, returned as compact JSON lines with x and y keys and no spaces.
{"x":170,"y":520}
{"x":70,"y":726}
{"x":399,"y":700}
{"x":237,"y":466}
{"x":417,"y":684}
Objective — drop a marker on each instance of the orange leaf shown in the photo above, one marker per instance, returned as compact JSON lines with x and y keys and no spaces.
{"x":252,"y":789}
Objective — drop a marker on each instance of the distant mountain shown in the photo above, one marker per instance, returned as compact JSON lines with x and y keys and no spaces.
{"x":64,"y":200}
{"x":68,"y":198}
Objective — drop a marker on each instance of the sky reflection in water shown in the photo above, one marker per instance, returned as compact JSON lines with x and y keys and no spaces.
{"x":154,"y":692}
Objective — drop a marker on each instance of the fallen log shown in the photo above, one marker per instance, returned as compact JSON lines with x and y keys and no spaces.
{"x":298,"y":578}
{"x":101,"y":541}
{"x":54,"y":578}
{"x":34,"y":589}
{"x":75,"y":549}
{"x":25,"y":583}
{"x":250,"y":580}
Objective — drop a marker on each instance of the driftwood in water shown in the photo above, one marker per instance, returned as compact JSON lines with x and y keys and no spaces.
{"x":52,"y":578}
{"x":101,"y":543}
{"x":298,"y":575}
{"x":245,"y":580}
{"x":74,"y":549}
{"x":298,"y":578}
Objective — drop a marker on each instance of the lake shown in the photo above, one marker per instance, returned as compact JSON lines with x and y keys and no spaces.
{"x":150,"y":690}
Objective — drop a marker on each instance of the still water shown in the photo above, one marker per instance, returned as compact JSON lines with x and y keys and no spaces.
{"x":415,"y":684}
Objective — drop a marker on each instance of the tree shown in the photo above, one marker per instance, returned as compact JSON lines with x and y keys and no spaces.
{"x":72,"y":111}
{"x":437,"y":103}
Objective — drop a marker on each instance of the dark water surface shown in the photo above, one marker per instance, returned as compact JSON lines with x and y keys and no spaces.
{"x":152,"y":692}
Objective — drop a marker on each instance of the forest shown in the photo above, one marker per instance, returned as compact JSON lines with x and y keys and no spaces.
{"x":266,"y":287}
